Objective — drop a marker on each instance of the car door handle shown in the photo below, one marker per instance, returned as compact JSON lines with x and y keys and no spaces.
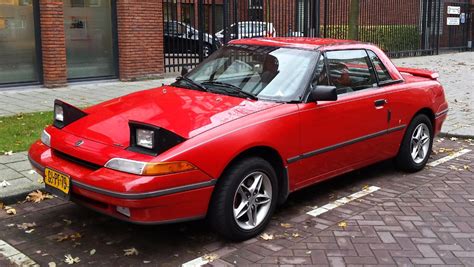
{"x":380,"y":103}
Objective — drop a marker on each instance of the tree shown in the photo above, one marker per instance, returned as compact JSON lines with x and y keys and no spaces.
{"x":354,"y":20}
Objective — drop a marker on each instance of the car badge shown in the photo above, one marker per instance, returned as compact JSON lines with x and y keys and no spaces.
{"x":79,"y":143}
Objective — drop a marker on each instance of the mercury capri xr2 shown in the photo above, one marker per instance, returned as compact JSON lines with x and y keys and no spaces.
{"x":230,"y":139}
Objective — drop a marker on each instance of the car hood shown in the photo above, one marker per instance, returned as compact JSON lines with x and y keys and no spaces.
{"x":185,"y":112}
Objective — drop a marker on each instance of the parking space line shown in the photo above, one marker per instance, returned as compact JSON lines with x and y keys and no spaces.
{"x":196,"y":262}
{"x":342,"y":201}
{"x":15,"y":256}
{"x":448,"y":158}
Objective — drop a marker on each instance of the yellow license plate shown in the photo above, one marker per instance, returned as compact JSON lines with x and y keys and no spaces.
{"x":57,"y":180}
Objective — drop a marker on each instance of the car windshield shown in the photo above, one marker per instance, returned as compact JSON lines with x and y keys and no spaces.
{"x":268,"y":73}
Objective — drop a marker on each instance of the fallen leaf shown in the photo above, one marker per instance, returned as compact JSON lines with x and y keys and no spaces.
{"x":308,"y":252}
{"x":295,"y":235}
{"x":146,"y":262}
{"x":29,"y":231}
{"x":92,"y":252}
{"x":52,"y":264}
{"x":453,"y":138}
{"x":10,"y":210}
{"x":8,"y":153}
{"x":471,"y":200}
{"x":10,"y":225}
{"x":26,"y":226}
{"x":285,"y":225}
{"x":71,"y":260}
{"x":62,"y":237}
{"x":2,"y":205}
{"x":343,"y":225}
{"x":266,"y":236}
{"x":68,"y":222}
{"x":210,"y":257}
{"x":38,"y":196}
{"x":4,"y":183}
{"x":466,"y":167}
{"x":130,"y":252}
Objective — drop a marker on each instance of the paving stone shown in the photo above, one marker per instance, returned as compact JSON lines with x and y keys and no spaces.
{"x":18,"y":186}
{"x":20,"y":166}
{"x":9,"y":174}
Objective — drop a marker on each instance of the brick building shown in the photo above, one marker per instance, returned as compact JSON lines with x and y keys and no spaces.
{"x":53,"y":42}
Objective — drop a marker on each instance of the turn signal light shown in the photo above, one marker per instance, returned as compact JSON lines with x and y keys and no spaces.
{"x":167,"y":168}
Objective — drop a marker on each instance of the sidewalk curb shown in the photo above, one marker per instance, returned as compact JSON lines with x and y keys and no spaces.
{"x":15,"y":198}
{"x":462,"y":136}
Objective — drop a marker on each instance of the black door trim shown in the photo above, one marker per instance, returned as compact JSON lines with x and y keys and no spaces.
{"x":343,"y":144}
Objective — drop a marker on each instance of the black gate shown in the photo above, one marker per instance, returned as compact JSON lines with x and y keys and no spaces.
{"x":193,"y":29}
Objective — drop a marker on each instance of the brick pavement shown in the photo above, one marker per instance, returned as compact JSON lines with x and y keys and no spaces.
{"x":423,"y":218}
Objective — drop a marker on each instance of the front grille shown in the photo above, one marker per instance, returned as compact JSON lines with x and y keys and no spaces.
{"x":77,"y":161}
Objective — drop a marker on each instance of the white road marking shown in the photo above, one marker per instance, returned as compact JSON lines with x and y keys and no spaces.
{"x":342,"y":201}
{"x":448,"y":158}
{"x":196,"y":262}
{"x":15,"y":256}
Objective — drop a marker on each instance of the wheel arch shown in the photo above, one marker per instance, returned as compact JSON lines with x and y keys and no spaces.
{"x":428,"y":112}
{"x":274,"y":158}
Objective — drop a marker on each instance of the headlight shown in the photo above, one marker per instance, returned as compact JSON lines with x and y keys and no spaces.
{"x":46,"y":138}
{"x":145,"y":138}
{"x":150,"y":139}
{"x":65,"y":114}
{"x":148,"y":168}
{"x":58,"y":113}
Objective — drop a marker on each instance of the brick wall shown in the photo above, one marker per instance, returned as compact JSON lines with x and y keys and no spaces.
{"x":140,"y":39}
{"x":53,"y":43}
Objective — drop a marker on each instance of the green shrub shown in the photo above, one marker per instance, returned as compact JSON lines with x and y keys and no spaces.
{"x":390,"y":38}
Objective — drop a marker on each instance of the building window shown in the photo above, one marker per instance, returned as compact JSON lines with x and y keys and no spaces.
{"x":18,"y":47}
{"x":256,"y":10}
{"x":88,"y":26}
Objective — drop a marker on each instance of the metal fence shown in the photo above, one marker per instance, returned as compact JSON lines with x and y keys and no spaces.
{"x":195,"y":28}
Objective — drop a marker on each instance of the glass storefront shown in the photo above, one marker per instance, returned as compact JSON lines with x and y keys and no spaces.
{"x":88,"y":26}
{"x":18,"y":55}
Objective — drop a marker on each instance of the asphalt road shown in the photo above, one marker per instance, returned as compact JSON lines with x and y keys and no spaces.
{"x":421,"y":218}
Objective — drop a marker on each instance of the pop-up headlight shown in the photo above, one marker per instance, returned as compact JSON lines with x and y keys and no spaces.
{"x":65,"y":114}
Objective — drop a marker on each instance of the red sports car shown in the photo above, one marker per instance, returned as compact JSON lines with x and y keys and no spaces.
{"x":229,"y":140}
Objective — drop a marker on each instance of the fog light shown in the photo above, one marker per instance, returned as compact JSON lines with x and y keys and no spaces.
{"x":123,"y":211}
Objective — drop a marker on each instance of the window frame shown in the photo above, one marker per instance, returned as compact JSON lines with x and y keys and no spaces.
{"x":369,"y":64}
{"x":381,"y":83}
{"x":371,"y":68}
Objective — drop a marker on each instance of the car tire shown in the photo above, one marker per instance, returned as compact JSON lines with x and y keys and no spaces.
{"x":418,"y":137}
{"x":227,"y":208}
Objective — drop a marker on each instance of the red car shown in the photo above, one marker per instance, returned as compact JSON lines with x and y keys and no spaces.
{"x":257,"y":120}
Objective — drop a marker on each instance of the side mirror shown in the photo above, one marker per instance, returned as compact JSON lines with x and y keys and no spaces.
{"x":184,"y":71}
{"x":324,"y":93}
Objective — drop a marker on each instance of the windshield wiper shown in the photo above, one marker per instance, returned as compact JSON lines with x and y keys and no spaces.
{"x":235,"y":89}
{"x":193,"y":83}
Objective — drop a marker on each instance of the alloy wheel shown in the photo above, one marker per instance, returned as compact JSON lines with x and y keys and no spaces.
{"x":420,"y":143}
{"x":252,"y":200}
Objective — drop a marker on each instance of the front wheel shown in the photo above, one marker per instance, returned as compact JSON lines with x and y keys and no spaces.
{"x":244,"y":199}
{"x":416,"y":146}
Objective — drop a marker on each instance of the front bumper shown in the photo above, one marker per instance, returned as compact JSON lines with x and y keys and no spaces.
{"x":149,"y":199}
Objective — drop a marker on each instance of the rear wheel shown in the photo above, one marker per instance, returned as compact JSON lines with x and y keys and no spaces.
{"x":244,"y":199}
{"x":417,"y":144}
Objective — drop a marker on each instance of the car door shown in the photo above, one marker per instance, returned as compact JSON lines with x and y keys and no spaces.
{"x":338,"y":136}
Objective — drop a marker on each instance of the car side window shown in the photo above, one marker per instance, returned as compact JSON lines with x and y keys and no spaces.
{"x":350,"y":70}
{"x":380,"y":69}
{"x":321,"y":74}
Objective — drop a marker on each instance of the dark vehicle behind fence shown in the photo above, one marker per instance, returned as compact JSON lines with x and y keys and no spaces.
{"x":181,"y":38}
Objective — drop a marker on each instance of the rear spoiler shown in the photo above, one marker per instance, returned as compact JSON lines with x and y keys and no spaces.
{"x":420,"y":73}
